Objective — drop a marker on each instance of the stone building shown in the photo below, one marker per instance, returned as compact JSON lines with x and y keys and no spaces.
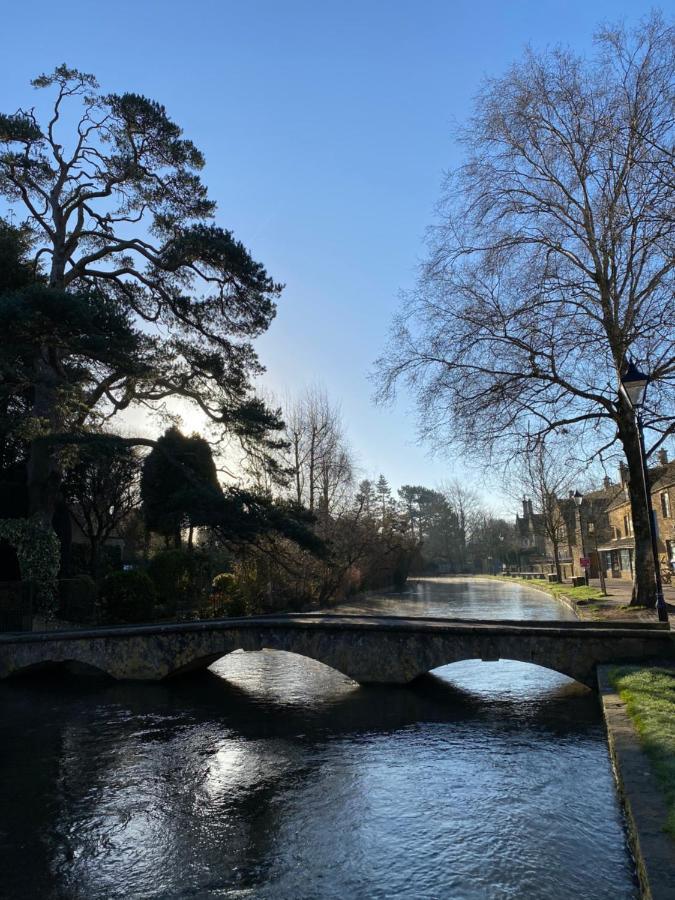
{"x":531,"y":540}
{"x":618,"y":549}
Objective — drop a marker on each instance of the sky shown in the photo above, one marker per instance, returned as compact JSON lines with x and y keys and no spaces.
{"x":327,"y":127}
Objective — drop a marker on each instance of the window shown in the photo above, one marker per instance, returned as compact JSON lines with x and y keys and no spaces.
{"x":628,"y":525}
{"x":665,"y":505}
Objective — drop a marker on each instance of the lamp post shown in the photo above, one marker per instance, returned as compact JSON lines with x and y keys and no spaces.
{"x":601,"y":568}
{"x":578,"y":498}
{"x":634,"y":385}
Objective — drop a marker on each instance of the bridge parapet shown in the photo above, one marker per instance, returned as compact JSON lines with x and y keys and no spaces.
{"x":368,"y":649}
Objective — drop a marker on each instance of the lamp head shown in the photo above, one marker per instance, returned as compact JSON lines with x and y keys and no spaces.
{"x":634,"y":383}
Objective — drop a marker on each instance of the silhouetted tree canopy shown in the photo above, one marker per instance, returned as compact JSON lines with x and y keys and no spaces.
{"x":119,"y":217}
{"x":179,"y":484}
{"x":180,"y":489}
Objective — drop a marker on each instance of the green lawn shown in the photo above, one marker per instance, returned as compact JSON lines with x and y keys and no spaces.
{"x":649,"y":695}
{"x":589,"y":594}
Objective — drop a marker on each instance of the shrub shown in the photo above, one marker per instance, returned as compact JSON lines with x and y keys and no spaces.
{"x":226,"y":597}
{"x":182,"y":578}
{"x":77,"y":598}
{"x":225,"y":583}
{"x":127,"y":597}
{"x":253,"y":586}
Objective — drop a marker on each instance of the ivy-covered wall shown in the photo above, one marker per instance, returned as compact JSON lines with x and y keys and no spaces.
{"x":38,"y":552}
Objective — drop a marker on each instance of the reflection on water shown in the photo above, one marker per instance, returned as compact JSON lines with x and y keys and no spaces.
{"x":470,"y":599}
{"x":272,"y":776}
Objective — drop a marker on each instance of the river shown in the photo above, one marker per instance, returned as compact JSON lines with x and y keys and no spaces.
{"x":271,"y":776}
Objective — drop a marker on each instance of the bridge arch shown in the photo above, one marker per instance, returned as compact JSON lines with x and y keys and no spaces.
{"x":380,"y":658}
{"x":71,"y":666}
{"x":204,"y":661}
{"x":523,"y":652}
{"x":529,"y":662}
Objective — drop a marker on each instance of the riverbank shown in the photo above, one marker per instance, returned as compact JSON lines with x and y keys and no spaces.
{"x":589,"y":603}
{"x":639,"y":713}
{"x":579,"y":600}
{"x":639,"y":710}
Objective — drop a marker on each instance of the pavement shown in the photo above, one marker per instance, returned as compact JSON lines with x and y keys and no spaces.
{"x":618,"y":599}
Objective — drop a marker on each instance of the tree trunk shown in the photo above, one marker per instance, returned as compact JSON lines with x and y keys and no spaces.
{"x":94,"y":555}
{"x":43,"y":475}
{"x":644,"y":576}
{"x":312,"y":464}
{"x":298,"y":485}
{"x":556,"y":560}
{"x":43,"y":472}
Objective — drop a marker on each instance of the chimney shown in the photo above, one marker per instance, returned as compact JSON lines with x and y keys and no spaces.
{"x":607,"y":482}
{"x":623,"y":473}
{"x":525,"y":507}
{"x":529,"y":507}
{"x":662,"y":457}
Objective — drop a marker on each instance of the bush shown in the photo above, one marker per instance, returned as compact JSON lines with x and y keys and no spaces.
{"x":225,"y":583}
{"x":226,"y":597}
{"x":110,"y":560}
{"x":77,"y":599}
{"x":182,"y":579}
{"x":127,"y":597}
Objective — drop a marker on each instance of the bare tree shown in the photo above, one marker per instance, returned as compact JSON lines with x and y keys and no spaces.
{"x":553,"y":262}
{"x":545,"y":474}
{"x":103,"y":490}
{"x":467,"y":507}
{"x":320,"y":458}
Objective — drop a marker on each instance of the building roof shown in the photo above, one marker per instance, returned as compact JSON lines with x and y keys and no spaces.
{"x":660,"y":478}
{"x":532,"y":523}
{"x":665,"y":477}
{"x":600,"y":501}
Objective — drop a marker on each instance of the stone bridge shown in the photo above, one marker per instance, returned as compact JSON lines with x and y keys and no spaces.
{"x":368,"y":649}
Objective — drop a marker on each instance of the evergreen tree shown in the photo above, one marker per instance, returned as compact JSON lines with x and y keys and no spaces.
{"x":383,"y":494}
{"x":179,"y":485}
{"x":122,"y":231}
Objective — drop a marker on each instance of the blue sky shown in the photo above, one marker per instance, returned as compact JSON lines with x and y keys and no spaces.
{"x":326,"y":128}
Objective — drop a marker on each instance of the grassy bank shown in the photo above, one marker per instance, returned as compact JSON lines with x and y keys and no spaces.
{"x":649,"y":695}
{"x":586,"y":597}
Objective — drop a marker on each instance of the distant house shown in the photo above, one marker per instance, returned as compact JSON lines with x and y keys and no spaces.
{"x":618,"y":549}
{"x":531,"y":540}
{"x":585,"y":528}
{"x":580,"y":530}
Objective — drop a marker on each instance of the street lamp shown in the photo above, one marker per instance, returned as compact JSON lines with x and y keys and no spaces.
{"x":634,"y":385}
{"x":601,"y":568}
{"x":578,"y":498}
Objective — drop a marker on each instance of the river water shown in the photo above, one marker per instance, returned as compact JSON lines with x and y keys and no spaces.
{"x":271,"y":776}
